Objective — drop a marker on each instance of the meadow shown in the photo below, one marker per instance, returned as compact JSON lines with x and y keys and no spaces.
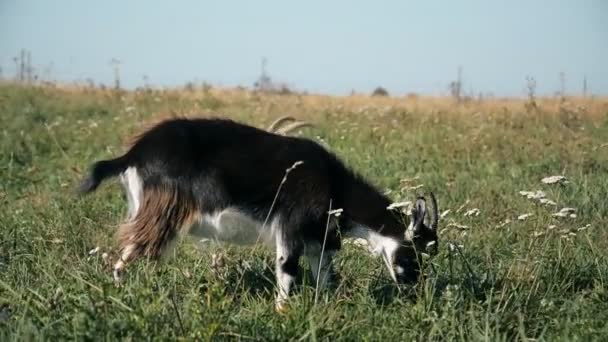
{"x":509,"y":268}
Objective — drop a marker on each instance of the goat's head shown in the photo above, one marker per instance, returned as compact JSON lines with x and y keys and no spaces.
{"x":420,"y":239}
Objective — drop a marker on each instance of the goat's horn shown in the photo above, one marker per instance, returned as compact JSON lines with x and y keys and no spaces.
{"x":274,"y":126}
{"x":435,"y":214}
{"x":292,"y":127}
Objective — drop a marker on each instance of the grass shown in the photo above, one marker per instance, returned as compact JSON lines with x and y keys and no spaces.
{"x":503,"y":279}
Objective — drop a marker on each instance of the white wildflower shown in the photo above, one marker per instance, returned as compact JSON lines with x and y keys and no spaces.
{"x":583,"y":228}
{"x":506,"y":222}
{"x":523,"y":217}
{"x":547,"y":201}
{"x":473,"y":212}
{"x":554,"y":180}
{"x":565,"y":212}
{"x":452,"y":247}
{"x":538,"y":194}
{"x":94,"y":250}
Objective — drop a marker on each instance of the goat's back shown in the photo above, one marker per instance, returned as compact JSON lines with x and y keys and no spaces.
{"x":226,"y":163}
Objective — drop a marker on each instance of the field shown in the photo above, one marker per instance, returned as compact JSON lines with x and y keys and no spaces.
{"x":499,"y":275}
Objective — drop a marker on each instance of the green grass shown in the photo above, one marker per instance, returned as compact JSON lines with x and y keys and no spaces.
{"x":519,"y":281}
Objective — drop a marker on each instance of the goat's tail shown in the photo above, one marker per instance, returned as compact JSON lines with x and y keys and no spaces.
{"x":101,"y":170}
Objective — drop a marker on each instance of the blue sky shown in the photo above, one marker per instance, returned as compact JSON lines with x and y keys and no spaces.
{"x":319,"y":46}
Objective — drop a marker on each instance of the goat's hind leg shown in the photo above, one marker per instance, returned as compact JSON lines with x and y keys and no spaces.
{"x":133,"y":187}
{"x":163,"y":211}
{"x":128,"y":251}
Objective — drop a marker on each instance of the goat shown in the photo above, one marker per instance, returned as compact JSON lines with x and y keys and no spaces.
{"x":222,"y":180}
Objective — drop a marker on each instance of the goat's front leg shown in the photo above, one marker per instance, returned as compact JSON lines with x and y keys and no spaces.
{"x":288,"y":255}
{"x":320,"y":264}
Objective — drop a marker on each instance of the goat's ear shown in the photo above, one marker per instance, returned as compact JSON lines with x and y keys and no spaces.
{"x":435,"y":214}
{"x":418,"y":213}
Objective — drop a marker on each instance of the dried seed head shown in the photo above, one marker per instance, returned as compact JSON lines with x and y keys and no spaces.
{"x":396,"y":205}
{"x":335,"y":212}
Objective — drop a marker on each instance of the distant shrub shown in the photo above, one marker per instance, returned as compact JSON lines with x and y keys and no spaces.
{"x":284,"y":90}
{"x":206,"y":87}
{"x":379,"y":91}
{"x":189,"y":87}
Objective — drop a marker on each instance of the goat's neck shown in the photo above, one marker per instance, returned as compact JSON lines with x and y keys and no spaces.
{"x":367,"y":207}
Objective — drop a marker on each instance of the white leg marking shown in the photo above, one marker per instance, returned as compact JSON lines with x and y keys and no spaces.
{"x":284,"y":280}
{"x":120,"y":264}
{"x":134,"y":189}
{"x":125,"y":184}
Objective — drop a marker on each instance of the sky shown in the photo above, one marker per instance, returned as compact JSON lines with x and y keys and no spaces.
{"x":331,"y":46}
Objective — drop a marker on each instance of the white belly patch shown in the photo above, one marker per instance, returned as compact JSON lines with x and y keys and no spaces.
{"x":234,"y":226}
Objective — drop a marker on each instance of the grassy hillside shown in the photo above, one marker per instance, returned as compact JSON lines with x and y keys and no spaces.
{"x":542,"y":277}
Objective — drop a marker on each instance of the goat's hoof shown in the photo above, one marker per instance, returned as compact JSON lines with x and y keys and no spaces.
{"x":281,"y":307}
{"x":117,"y":275}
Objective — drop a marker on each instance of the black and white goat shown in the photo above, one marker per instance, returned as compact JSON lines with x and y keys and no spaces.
{"x":222,"y":180}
